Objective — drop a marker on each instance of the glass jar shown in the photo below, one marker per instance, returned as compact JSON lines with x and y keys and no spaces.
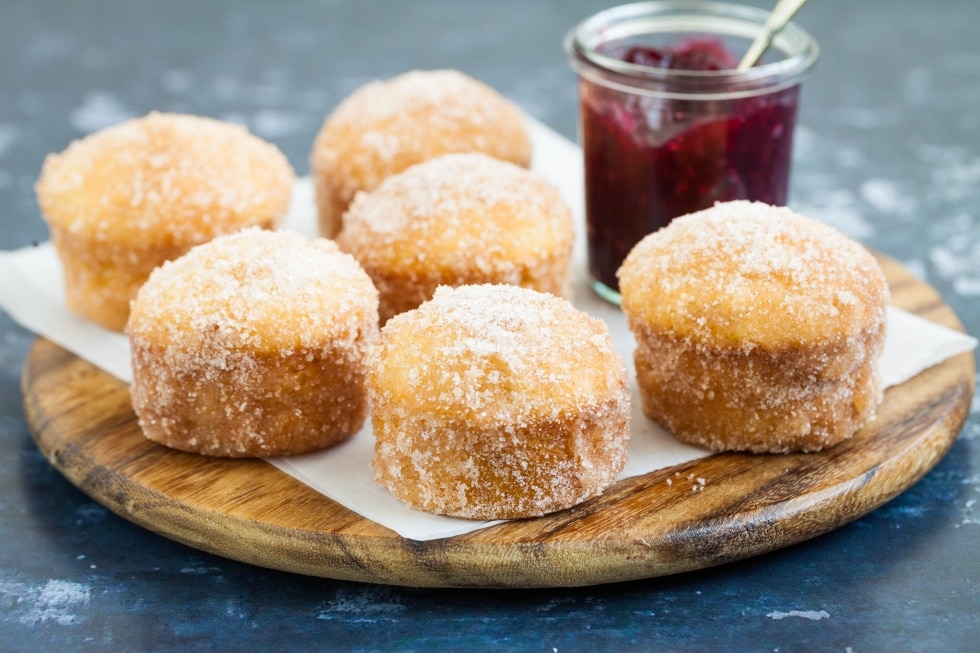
{"x":662,"y":142}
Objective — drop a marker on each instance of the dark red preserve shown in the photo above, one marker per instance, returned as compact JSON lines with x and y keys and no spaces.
{"x":651,"y":158}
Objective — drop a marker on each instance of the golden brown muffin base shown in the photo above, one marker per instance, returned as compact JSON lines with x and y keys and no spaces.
{"x":537,"y":468}
{"x":799,"y":399}
{"x":260,"y":404}
{"x":101,"y":279}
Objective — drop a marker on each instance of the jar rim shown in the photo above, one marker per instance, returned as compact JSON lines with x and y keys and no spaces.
{"x":655,"y":16}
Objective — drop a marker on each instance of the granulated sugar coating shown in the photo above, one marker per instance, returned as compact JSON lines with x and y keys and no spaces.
{"x":177,"y":178}
{"x":745,"y":274}
{"x":254,"y":344}
{"x":460,"y":219}
{"x":386,"y":126}
{"x":123,"y":200}
{"x":497,"y":402}
{"x":757,"y":329}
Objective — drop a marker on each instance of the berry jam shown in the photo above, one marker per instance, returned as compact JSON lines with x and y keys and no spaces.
{"x":650,"y":159}
{"x":692,"y":54}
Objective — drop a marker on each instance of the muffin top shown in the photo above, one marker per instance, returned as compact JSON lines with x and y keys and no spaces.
{"x":257,"y":290}
{"x":745,"y":274}
{"x":168,"y":179}
{"x":458,"y":212}
{"x":490,"y":355}
{"x":387,"y":126}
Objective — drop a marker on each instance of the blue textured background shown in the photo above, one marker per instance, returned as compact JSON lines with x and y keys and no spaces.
{"x":888,"y":151}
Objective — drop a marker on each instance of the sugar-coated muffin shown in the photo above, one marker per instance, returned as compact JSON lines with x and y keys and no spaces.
{"x":253,"y":344}
{"x":123,"y":200}
{"x":757,"y":329}
{"x":497,"y":402}
{"x":460,"y":219}
{"x":387,"y":126}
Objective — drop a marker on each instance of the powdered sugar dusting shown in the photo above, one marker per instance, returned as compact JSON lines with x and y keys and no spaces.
{"x":813,"y":615}
{"x":56,"y":601}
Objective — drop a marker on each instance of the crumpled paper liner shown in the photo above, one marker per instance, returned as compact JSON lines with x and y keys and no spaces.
{"x":31,"y":292}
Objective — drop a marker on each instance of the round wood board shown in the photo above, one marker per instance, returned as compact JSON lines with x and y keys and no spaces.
{"x":651,"y":525}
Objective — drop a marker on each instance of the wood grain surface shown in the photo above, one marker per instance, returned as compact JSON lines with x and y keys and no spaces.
{"x":642,"y":527}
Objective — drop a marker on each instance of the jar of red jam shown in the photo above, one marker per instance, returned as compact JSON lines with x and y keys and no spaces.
{"x":669,"y":126}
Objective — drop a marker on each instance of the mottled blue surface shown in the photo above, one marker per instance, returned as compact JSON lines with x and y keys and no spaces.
{"x":888,"y":151}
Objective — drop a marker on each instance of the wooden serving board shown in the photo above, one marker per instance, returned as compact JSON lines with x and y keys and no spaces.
{"x":651,"y":525}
